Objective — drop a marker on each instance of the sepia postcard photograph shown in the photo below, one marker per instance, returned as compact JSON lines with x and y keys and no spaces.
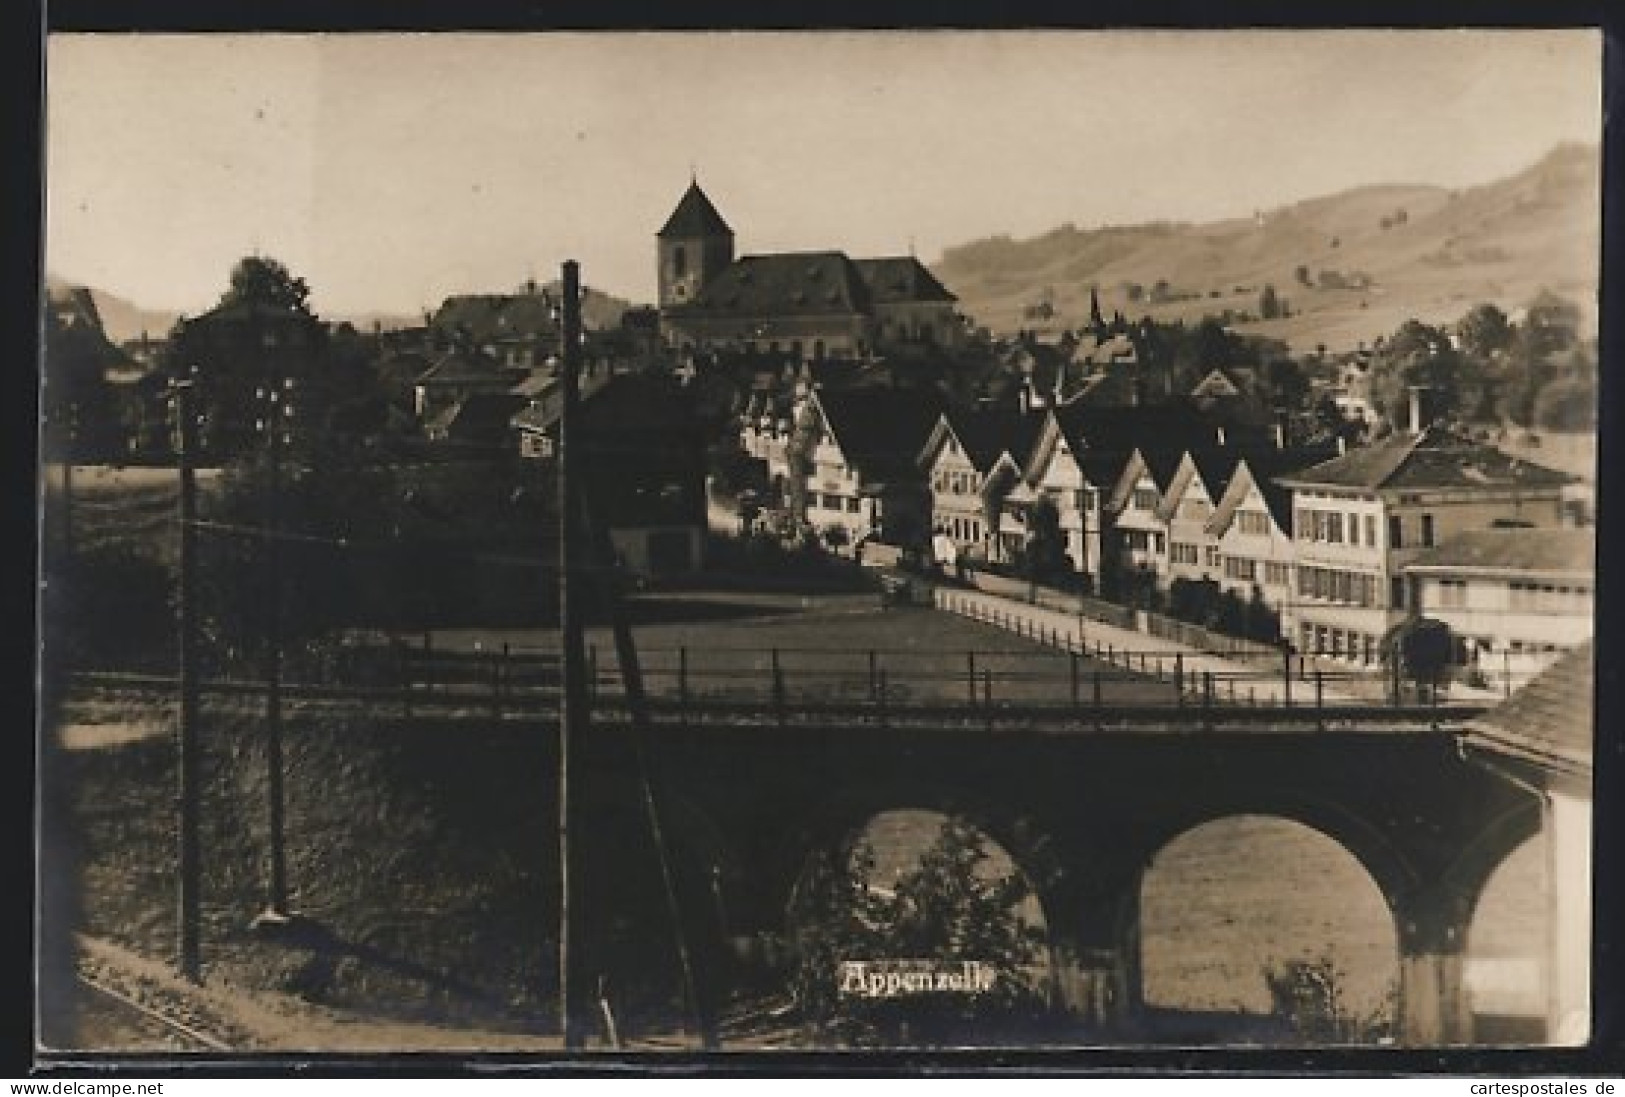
{"x":653,"y":544}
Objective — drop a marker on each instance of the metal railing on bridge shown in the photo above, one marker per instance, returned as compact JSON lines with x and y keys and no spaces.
{"x":1066,"y":679}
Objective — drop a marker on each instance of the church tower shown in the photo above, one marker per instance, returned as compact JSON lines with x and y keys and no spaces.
{"x":695,"y":245}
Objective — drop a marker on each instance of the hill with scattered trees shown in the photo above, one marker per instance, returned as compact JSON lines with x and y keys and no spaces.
{"x":1337,"y":270}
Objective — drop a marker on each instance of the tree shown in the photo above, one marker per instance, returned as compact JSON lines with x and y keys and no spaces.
{"x":1045,"y":551}
{"x":262,"y":280}
{"x":1567,"y":404}
{"x":950,"y":907}
{"x":1551,"y":325}
{"x":1285,"y":385}
{"x":1424,"y":648}
{"x":1418,"y":354}
{"x":1546,"y":348}
{"x":1269,"y":306}
{"x":1485,"y":332}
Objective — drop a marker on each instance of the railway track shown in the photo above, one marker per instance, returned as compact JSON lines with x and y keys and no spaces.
{"x":122,"y":1010}
{"x":142,"y":1020}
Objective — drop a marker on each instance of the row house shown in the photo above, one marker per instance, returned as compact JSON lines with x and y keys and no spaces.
{"x":858,"y":448}
{"x":1139,"y":532}
{"x":1360,"y":519}
{"x":972,"y":460}
{"x":1077,"y":475}
{"x":765,"y":427}
{"x":1108,"y":484}
{"x":1229,"y":522}
{"x":1198,"y":483}
{"x":1251,"y":526}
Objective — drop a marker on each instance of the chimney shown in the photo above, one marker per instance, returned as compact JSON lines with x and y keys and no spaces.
{"x":1419,"y":421}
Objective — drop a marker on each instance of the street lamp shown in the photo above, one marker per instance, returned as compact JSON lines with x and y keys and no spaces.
{"x":275,"y":422}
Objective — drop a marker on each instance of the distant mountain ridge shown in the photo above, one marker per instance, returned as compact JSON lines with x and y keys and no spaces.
{"x":123,"y":320}
{"x":1351,"y":265}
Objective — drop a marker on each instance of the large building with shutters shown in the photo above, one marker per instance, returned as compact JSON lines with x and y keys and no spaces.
{"x":806,"y":305}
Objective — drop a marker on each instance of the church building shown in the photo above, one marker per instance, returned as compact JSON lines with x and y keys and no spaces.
{"x":807,"y":305}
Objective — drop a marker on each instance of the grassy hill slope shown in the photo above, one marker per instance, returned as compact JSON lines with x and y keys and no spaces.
{"x":1421,"y":251}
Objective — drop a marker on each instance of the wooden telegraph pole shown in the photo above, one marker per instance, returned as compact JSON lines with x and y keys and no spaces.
{"x":572,"y":703}
{"x":278,"y":412}
{"x":190,"y":861}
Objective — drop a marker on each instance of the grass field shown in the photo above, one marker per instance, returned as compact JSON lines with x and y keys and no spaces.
{"x":823,"y":645}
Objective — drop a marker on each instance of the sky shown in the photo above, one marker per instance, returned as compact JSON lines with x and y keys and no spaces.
{"x":392,"y":170}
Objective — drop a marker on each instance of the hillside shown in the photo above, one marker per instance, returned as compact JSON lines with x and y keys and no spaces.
{"x":1392,"y":253}
{"x":121,"y":319}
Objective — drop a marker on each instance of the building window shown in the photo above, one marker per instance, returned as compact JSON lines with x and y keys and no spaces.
{"x":1239,"y":567}
{"x":1371,"y":534}
{"x":679,"y":261}
{"x":1334,"y":528}
{"x":1276,"y":574}
{"x":1145,"y":499}
{"x":852,"y":505}
{"x":1452,"y":593}
{"x":1427,"y":531}
{"x":1254,"y":523}
{"x":1396,"y":537}
{"x":1396,"y":594}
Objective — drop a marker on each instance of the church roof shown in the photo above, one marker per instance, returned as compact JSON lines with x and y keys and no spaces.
{"x":899,"y":278}
{"x":695,"y":216}
{"x":810,"y":283}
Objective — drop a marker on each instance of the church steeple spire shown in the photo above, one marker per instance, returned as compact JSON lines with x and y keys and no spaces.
{"x":693,"y":246}
{"x":1096,"y":321}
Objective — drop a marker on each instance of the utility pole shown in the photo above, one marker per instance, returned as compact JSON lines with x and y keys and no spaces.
{"x":68,"y":454}
{"x":276,"y":408}
{"x":572,"y":702}
{"x":189,"y":874}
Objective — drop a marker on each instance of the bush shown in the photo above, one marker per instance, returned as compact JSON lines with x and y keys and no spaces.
{"x":113,"y":610}
{"x":1308,"y":996}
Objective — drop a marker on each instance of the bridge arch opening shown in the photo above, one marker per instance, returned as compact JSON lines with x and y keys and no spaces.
{"x":979,"y":901}
{"x":1239,"y":902}
{"x":1508,"y":944}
